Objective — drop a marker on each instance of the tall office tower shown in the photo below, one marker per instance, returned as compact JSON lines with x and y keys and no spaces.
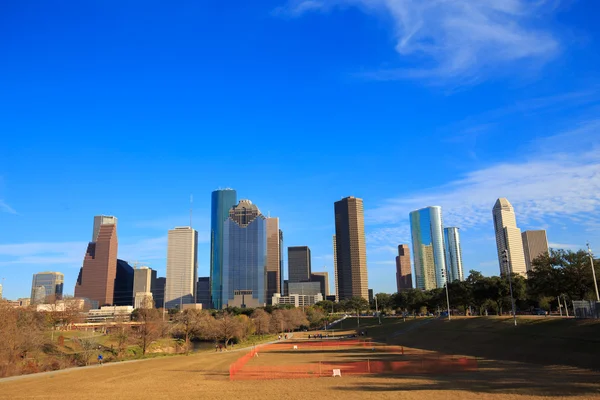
{"x":351,"y":249}
{"x":299,"y":264}
{"x":428,"y":247}
{"x":100,"y":220}
{"x":96,"y":280}
{"x":142,"y":280}
{"x":323,"y":279}
{"x":182,"y":267}
{"x":203,"y":292}
{"x":123,"y":292}
{"x":508,"y":237}
{"x":222,"y":201}
{"x":535,"y":244}
{"x":453,"y":253}
{"x":273,"y":258}
{"x":403,"y":270}
{"x":51,"y":284}
{"x":370,"y":296}
{"x":281,"y":266}
{"x":244,"y":257}
{"x":158,"y":292}
{"x":335,"y":271}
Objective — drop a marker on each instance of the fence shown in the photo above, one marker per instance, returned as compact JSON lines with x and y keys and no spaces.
{"x":586,"y":309}
{"x":414,"y":363}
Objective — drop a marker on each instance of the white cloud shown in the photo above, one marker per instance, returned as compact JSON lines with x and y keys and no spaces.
{"x":458,"y":39}
{"x":565,"y":246}
{"x":549,"y":188}
{"x":43,"y":253}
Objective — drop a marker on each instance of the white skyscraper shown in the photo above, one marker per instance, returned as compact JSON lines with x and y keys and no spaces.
{"x":508,"y":237}
{"x":102,"y":220}
{"x":182,"y":267}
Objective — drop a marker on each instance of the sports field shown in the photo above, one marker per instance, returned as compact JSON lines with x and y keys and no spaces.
{"x":207,"y":376}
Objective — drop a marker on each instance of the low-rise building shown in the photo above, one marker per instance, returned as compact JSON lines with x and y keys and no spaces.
{"x":297,"y":300}
{"x":110,"y":313}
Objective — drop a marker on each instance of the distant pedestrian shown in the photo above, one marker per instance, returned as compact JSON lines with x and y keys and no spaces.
{"x":216,"y":347}
{"x":100,"y":359}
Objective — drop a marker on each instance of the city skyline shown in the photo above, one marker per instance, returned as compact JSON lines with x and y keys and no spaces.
{"x":344,"y":102}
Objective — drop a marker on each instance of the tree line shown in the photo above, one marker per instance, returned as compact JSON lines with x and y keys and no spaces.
{"x":557,"y":278}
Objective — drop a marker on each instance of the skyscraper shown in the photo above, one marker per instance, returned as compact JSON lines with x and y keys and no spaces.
{"x":158,"y":292}
{"x":351,"y":249}
{"x":100,"y":220}
{"x":323,"y":279}
{"x":143,"y":281}
{"x":453,"y":253}
{"x":508,"y":237}
{"x":299,"y":264}
{"x":273,"y":258}
{"x":535,"y":244}
{"x":182,"y":267}
{"x":222,"y":201}
{"x":47,"y":286}
{"x":244,"y":257}
{"x":428,"y":247}
{"x":281,"y":266}
{"x":335,"y":271}
{"x":96,"y":280}
{"x":403,"y":269}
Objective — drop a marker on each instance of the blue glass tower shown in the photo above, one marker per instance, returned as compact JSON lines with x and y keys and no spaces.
{"x":428,"y":247}
{"x":221,"y":202}
{"x":244,"y":257}
{"x":453,"y":254}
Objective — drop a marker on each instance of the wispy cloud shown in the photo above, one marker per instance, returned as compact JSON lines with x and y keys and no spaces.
{"x":565,"y":246}
{"x":6,"y":208}
{"x":71,"y":254}
{"x":43,"y":253}
{"x":456,"y":39}
{"x":551,"y":186}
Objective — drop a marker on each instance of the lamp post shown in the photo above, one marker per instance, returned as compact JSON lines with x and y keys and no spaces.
{"x":447,"y":295}
{"x":593,"y":271}
{"x":512,"y":300}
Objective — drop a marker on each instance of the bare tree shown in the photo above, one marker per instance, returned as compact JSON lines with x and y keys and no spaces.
{"x":262,"y":321}
{"x":247,"y":327}
{"x":150,"y":328}
{"x":89,"y":346}
{"x":189,"y":325}
{"x":227,"y":327}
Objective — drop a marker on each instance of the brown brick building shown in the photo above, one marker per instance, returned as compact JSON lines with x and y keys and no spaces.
{"x":403,"y":270}
{"x":97,"y":276}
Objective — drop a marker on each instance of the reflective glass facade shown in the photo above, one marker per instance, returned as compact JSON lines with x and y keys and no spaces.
{"x":221,"y":202}
{"x":453,"y":254}
{"x":244,"y":254}
{"x":428,"y":247}
{"x":46,"y":284}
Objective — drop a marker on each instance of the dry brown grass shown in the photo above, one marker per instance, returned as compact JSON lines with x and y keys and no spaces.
{"x":205,"y":376}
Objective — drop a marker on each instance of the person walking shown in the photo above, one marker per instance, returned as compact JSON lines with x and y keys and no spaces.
{"x":100,"y":359}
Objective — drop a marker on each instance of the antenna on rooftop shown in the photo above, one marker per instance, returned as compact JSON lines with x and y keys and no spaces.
{"x":191,"y":204}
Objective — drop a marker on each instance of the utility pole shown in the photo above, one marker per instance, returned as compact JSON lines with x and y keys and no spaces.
{"x":508,"y":271}
{"x":377,"y":310}
{"x":593,"y":271}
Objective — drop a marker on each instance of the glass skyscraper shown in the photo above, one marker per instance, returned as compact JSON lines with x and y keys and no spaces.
{"x":428,"y":247}
{"x":222,"y":201}
{"x":45,"y":285}
{"x":244,"y":257}
{"x":453,"y":254}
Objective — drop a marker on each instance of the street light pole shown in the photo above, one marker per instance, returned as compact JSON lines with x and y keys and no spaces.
{"x":377,"y":310}
{"x":512,"y":299}
{"x":593,"y":271}
{"x":445,"y":275}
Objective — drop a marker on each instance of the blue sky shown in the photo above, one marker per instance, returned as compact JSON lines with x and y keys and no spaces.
{"x":127,"y":108}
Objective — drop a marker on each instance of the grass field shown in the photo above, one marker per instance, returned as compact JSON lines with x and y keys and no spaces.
{"x":548,"y":375}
